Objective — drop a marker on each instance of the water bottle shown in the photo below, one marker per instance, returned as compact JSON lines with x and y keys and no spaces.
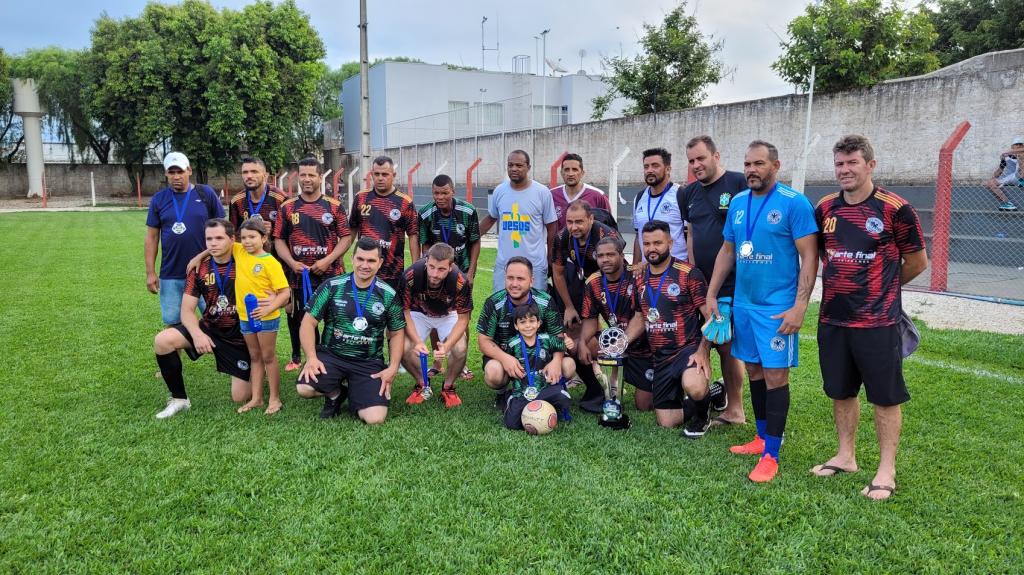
{"x":251,"y":303}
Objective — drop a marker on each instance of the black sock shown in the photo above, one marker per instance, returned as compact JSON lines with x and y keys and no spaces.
{"x":701,"y":407}
{"x":170,"y":370}
{"x":294,"y":321}
{"x":777,"y":403}
{"x":758,"y":394}
{"x":586,"y":373}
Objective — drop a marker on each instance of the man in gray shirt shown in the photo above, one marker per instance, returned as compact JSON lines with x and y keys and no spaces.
{"x":525,"y":214}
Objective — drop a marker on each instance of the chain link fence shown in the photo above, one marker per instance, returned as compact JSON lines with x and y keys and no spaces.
{"x":976,"y":244}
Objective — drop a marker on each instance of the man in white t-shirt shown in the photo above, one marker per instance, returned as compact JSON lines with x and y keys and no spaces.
{"x":658,"y":202}
{"x":525,"y":214}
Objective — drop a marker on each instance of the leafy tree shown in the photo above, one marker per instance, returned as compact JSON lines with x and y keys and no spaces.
{"x":61,"y":78}
{"x":856,"y":44}
{"x":11,"y":136}
{"x":968,"y":28}
{"x":676,"y":65}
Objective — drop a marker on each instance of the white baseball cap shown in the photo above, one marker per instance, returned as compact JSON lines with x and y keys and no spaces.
{"x":1017,"y":141}
{"x":175,"y":159}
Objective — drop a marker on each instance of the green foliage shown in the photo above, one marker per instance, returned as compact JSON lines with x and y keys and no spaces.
{"x":11,"y":136}
{"x":677,"y":63}
{"x":856,"y":44}
{"x":968,"y":28}
{"x":62,"y":80}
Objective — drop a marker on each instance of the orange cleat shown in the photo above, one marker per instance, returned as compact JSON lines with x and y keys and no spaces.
{"x":416,"y":397}
{"x":755,"y":447}
{"x":765,"y":469}
{"x":451,"y":398}
{"x":292,"y":365}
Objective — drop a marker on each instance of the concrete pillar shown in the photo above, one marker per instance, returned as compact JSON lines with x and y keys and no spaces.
{"x":26,"y":105}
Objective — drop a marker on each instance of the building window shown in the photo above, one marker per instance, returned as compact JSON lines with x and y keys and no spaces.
{"x":552,"y":116}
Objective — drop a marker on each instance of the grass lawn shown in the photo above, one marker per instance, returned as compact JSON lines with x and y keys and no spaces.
{"x":91,"y":482}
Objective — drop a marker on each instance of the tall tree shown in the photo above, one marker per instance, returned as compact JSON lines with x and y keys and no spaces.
{"x":676,"y":64}
{"x":11,"y":136}
{"x":968,"y":28}
{"x":856,"y":44}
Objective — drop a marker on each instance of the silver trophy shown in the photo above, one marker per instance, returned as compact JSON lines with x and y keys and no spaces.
{"x":611,"y":349}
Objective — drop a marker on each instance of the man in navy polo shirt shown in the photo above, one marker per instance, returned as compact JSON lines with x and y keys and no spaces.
{"x":175,"y":224}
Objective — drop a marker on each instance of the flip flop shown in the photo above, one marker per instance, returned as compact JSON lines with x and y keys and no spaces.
{"x":721,"y":421}
{"x":872,"y":487}
{"x":433,"y":372}
{"x":836,"y":470}
{"x":467,"y":374}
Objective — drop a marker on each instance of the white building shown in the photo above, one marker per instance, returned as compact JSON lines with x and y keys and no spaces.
{"x":414,"y":103}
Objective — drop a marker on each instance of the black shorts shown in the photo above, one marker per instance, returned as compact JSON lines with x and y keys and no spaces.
{"x":639,"y":373}
{"x":363,"y":390}
{"x":556,"y":395}
{"x":232,"y":355}
{"x":850,"y":356}
{"x":668,"y":379}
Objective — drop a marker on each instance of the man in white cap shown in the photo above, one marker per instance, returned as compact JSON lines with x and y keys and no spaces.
{"x":1009,"y":173}
{"x":177,"y":219}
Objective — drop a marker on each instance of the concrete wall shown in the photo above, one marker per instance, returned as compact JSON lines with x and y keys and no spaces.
{"x":907,"y":121}
{"x":73,"y":180}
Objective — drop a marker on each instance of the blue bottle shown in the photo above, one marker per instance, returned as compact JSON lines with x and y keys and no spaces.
{"x":251,"y":303}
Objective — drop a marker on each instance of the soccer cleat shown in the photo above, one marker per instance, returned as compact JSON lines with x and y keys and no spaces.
{"x":765,"y":469}
{"x":696,"y":426}
{"x":719,"y":400}
{"x":174,"y":406}
{"x":293,"y":365}
{"x":1007,"y":207}
{"x":331,"y":407}
{"x":755,"y":447}
{"x":451,"y":398}
{"x":416,"y":397}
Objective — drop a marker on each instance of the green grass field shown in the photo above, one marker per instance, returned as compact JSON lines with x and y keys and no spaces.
{"x":91,"y":482}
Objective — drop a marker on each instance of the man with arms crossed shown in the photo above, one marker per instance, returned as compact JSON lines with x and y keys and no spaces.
{"x":871,"y":244}
{"x":348,"y":363}
{"x":771,"y":242}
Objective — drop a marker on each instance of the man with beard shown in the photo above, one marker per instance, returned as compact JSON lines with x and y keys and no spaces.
{"x":704,"y":205}
{"x":310,"y":238}
{"x":438,"y":299}
{"x":658,"y":201}
{"x":572,"y":263}
{"x":258,"y":197}
{"x":668,"y":303}
{"x":495,"y":327}
{"x":775,"y":264}
{"x":388,"y":216}
{"x":573,"y":189}
{"x":525,"y":214}
{"x":609,"y":294}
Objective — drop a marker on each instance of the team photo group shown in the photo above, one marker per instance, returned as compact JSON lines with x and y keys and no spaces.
{"x":723,"y":266}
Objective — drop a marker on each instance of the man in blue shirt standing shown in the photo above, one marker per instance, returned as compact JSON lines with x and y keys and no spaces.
{"x":771,"y":241}
{"x":176,"y":224}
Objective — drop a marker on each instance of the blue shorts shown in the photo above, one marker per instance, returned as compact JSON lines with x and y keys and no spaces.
{"x":756,"y":339}
{"x":268,"y":325}
{"x":171,"y":292}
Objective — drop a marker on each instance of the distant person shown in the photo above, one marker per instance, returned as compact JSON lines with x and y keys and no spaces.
{"x":1009,"y":173}
{"x":659,"y":201}
{"x":870,"y":245}
{"x":527,"y":224}
{"x":573,"y":189}
{"x":174,"y":226}
{"x":387,"y":215}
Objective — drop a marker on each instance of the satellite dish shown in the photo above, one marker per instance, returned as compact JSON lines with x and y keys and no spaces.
{"x":555,"y":66}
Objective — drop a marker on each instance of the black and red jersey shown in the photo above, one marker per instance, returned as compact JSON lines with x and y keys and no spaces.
{"x":312,"y":230}
{"x":578,"y":258}
{"x":596,"y":304}
{"x":861,"y":248}
{"x":678,"y":294}
{"x":387,"y":219}
{"x":243,"y":206}
{"x":454,"y":294}
{"x":203,"y":284}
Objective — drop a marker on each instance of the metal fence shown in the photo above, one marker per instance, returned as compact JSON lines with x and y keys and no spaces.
{"x":975,"y":248}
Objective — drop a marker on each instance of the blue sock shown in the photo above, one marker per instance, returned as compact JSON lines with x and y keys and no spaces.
{"x":772,"y":443}
{"x":762,"y":428}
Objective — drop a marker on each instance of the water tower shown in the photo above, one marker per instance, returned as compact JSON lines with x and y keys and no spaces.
{"x":26,"y":105}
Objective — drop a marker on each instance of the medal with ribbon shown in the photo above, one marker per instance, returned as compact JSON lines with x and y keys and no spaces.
{"x":613,"y":304}
{"x":179,"y":212}
{"x":222,"y":298}
{"x":360,"y":323}
{"x":652,"y":296}
{"x":447,"y":232}
{"x":579,"y":259}
{"x":248,"y":200}
{"x":307,"y":287}
{"x":531,"y":392}
{"x":747,"y":247}
{"x":650,"y":214}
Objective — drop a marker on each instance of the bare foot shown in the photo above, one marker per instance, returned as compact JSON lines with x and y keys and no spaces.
{"x":273,"y":408}
{"x":835,"y":466}
{"x":253,"y":404}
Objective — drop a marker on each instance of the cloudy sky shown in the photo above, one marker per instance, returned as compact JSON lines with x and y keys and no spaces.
{"x":449,"y":31}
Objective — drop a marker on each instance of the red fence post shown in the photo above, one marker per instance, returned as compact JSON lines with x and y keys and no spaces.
{"x":288,"y":183}
{"x":943,"y":202}
{"x":368,"y":181}
{"x":412,"y":171}
{"x":554,"y":170}
{"x":138,"y":190}
{"x":469,"y":180}
{"x":334,"y":180}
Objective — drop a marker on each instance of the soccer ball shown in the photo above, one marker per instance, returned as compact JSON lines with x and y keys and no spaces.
{"x":539,"y":417}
